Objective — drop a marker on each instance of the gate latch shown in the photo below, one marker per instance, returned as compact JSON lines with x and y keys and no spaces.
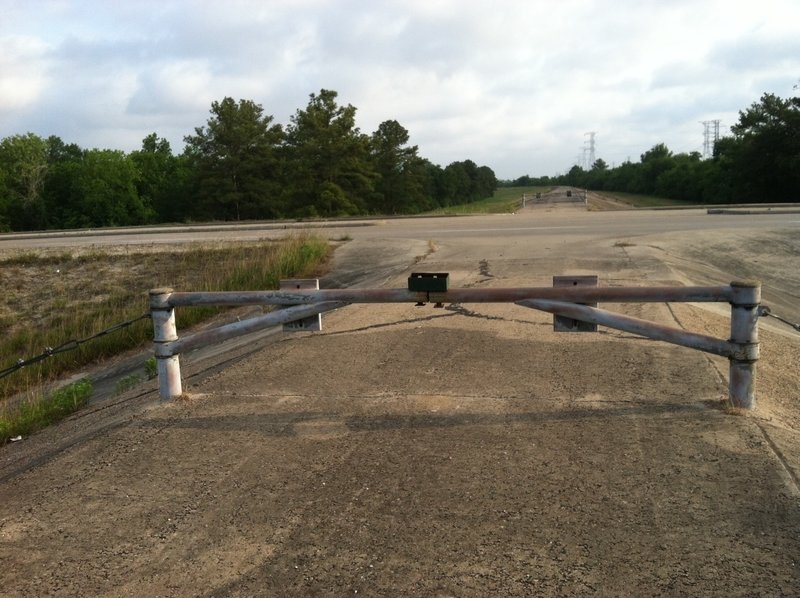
{"x":428,"y":282}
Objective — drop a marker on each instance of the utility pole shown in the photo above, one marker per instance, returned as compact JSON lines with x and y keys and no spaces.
{"x":589,"y":146}
{"x":710,"y":136}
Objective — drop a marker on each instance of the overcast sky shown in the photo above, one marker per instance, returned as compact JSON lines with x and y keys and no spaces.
{"x":511,"y":84}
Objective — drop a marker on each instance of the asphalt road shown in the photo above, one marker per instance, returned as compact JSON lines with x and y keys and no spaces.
{"x":465,"y":451}
{"x":560,"y":221}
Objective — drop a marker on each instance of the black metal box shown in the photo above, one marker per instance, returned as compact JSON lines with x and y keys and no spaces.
{"x":431,"y":282}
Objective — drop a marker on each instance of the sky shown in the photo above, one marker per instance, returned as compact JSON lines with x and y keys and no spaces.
{"x":512,"y":84}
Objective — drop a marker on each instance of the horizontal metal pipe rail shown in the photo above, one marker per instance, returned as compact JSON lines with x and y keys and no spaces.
{"x":742,"y":348}
{"x":714,"y":294}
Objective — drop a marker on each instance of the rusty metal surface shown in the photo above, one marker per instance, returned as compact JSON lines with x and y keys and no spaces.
{"x":311,"y":323}
{"x":491,"y":295}
{"x":296,"y":297}
{"x":564,"y":324}
{"x":644,"y":328}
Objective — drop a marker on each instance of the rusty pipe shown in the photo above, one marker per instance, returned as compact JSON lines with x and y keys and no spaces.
{"x":490,"y":295}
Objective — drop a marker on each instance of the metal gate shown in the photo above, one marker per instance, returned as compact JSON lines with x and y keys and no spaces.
{"x":571,"y":299}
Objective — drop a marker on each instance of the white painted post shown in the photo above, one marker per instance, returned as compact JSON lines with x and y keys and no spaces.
{"x":744,"y":332}
{"x":164,"y":331}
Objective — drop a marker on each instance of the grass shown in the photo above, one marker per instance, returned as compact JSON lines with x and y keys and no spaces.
{"x":504,"y":201}
{"x":150,"y":368}
{"x":127,"y":383}
{"x":51,"y":298}
{"x":641,"y":201}
{"x":148,"y":372}
{"x":32,"y":415}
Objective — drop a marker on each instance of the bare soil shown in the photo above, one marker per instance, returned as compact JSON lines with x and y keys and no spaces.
{"x":463,"y":451}
{"x":599,"y":201}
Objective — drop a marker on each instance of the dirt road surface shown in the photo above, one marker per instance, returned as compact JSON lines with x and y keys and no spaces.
{"x":462,"y":451}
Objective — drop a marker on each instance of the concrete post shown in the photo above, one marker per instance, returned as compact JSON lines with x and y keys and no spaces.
{"x":744,"y":332}
{"x":164,"y":331}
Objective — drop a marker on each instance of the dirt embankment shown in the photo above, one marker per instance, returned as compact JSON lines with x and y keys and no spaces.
{"x":602,"y":202}
{"x":560,"y":198}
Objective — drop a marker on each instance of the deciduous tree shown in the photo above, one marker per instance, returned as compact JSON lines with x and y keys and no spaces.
{"x":23,"y":170}
{"x":103,"y":191}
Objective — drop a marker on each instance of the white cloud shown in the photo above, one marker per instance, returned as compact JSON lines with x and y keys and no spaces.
{"x":514,"y":84}
{"x":23,"y":67}
{"x":173,"y":88}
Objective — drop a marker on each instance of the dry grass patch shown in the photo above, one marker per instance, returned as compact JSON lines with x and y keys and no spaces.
{"x":52,"y":297}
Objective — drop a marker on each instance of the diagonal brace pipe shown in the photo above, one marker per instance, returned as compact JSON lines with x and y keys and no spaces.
{"x":223,"y":333}
{"x":645,"y":328}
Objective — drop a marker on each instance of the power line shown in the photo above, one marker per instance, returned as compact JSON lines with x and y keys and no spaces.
{"x":68,"y":346}
{"x":589,"y":146}
{"x":710,"y":136}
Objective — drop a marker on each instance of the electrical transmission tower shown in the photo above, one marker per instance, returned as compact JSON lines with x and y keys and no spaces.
{"x":589,"y":147}
{"x":710,"y":136}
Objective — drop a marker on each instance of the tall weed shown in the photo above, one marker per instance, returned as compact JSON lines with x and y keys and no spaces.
{"x":39,"y":412}
{"x":106,"y":289}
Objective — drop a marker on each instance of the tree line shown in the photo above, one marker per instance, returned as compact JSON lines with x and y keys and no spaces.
{"x":240,"y":165}
{"x":758,"y":162}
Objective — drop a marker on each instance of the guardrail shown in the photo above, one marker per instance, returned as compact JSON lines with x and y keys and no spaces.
{"x":742,"y":348}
